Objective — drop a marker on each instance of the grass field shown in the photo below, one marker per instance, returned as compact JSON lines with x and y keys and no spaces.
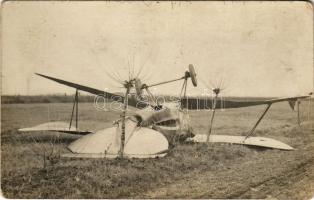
{"x":188,"y":171}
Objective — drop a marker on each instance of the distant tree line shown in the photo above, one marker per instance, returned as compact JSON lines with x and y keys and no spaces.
{"x":53,"y":98}
{"x":56,"y":98}
{"x":64,"y":98}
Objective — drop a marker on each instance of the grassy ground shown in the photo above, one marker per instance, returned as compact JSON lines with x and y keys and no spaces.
{"x":188,"y":171}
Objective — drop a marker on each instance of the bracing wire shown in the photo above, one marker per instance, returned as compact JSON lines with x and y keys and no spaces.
{"x":142,"y":66}
{"x":147,"y":76}
{"x":107,"y":73}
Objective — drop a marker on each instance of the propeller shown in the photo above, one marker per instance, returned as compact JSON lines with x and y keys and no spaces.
{"x":135,"y":82}
{"x":217,"y":88}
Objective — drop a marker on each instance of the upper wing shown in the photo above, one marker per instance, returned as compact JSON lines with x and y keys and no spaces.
{"x":132,"y":101}
{"x":207,"y":103}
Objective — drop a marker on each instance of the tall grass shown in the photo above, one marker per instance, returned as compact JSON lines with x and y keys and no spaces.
{"x":188,"y":171}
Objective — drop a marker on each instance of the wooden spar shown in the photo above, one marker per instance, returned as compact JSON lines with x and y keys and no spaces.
{"x":76,"y":119}
{"x":164,"y":82}
{"x":72,"y":113}
{"x":188,"y":74}
{"x":258,"y":121}
{"x":299,"y":121}
{"x":183,"y":91}
{"x":212,"y":118}
{"x":75,"y":105}
{"x":128,"y":87}
{"x":181,"y":109}
{"x":309,"y":113}
{"x":185,"y":85}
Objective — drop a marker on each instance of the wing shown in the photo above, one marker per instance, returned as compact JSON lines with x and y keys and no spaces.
{"x":62,"y":127}
{"x":132,"y":100}
{"x":207,"y":103}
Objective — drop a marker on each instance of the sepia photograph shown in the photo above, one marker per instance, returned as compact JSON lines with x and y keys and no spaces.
{"x":157,"y":100}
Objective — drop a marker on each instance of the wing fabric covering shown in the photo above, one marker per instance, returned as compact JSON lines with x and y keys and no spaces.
{"x":193,"y":103}
{"x":55,"y":127}
{"x":140,"y":142}
{"x":251,"y":141}
{"x":132,"y":100}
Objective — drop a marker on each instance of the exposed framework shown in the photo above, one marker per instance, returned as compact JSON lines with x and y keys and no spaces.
{"x":251,"y":132}
{"x":258,"y":121}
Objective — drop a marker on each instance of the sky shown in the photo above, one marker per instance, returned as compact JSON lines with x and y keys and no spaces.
{"x":251,"y":48}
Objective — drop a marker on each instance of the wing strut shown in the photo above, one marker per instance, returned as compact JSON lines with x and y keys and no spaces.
{"x":184,"y":116}
{"x":183,"y":89}
{"x":258,"y":121}
{"x":75,"y":106}
{"x":299,"y":120}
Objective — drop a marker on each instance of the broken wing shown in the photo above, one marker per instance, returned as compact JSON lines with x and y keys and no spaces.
{"x":132,"y":101}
